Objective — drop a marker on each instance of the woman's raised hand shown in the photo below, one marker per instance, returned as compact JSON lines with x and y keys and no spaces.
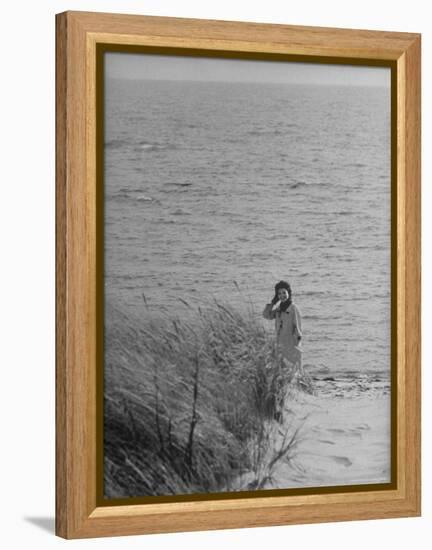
{"x":276,"y":305}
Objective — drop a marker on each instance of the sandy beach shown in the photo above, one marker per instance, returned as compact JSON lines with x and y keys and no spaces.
{"x":343,"y":435}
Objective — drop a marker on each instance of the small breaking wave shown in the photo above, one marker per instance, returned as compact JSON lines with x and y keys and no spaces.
{"x":133,"y":196}
{"x":147,"y":146}
{"x":141,"y":145}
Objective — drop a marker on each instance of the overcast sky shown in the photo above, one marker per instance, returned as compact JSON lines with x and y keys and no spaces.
{"x":161,"y":67}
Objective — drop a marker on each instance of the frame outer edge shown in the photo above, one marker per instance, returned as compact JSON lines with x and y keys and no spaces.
{"x":413,"y":273}
{"x":73,"y":283}
{"x":81,"y":286}
{"x":61,"y":448}
{"x":217,"y":29}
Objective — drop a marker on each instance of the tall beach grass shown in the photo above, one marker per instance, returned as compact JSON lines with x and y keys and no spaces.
{"x":189,"y":402}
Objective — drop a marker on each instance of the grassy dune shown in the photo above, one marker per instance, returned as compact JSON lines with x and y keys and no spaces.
{"x":188,"y":403}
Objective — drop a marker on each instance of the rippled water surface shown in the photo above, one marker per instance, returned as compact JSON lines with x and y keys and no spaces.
{"x":211,"y":183}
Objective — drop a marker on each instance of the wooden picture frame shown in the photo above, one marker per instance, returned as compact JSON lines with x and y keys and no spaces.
{"x":79,"y":36}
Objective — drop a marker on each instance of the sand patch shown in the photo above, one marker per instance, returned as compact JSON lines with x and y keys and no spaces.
{"x":338,"y":442}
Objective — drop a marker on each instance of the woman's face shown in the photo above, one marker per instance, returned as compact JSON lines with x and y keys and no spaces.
{"x":283,"y":294}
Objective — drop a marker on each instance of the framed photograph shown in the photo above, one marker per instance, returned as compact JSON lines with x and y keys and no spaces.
{"x":238,"y":274}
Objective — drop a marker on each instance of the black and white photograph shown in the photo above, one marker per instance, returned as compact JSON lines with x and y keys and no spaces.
{"x":247,"y":275}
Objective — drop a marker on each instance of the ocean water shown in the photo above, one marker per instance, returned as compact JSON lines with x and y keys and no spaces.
{"x":211,"y":183}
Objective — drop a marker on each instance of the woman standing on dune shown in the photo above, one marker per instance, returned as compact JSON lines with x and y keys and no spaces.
{"x":287,"y":319}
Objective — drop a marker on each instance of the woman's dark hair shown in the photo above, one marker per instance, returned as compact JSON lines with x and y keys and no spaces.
{"x":278,"y":286}
{"x":283,"y":284}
